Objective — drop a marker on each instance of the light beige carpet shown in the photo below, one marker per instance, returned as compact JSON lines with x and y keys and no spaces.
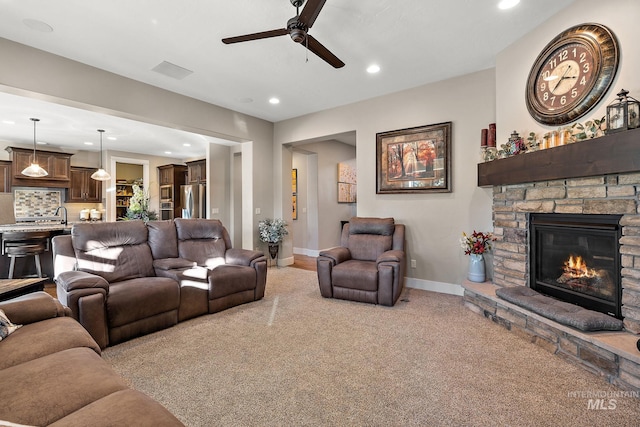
{"x":295,"y":358}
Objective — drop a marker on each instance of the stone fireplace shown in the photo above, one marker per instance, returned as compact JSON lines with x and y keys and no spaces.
{"x":598,"y":178}
{"x":611,"y":194}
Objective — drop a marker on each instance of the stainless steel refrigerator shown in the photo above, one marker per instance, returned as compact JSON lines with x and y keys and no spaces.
{"x":192,"y":201}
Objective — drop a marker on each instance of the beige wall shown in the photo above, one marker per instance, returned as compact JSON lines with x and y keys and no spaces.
{"x":434,"y":221}
{"x":514,"y":63}
{"x":31,"y":72}
{"x":319,"y":227}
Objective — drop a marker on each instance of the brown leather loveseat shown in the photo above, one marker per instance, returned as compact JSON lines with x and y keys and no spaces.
{"x":125,"y":279}
{"x":52,"y":374}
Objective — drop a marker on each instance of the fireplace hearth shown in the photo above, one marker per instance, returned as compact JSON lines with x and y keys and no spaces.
{"x":576,"y":258}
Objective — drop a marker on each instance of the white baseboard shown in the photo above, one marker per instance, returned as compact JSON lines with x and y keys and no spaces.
{"x":430,"y":285}
{"x":307,"y":252}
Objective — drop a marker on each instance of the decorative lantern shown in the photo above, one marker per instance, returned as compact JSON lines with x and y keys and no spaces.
{"x":623,"y":114}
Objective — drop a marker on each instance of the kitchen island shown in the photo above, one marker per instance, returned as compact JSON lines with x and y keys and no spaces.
{"x":25,"y":266}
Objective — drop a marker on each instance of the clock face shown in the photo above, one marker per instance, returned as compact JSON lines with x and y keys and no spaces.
{"x":572,"y":74}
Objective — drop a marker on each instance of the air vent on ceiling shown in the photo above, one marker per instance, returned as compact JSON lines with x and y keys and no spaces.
{"x":172,"y":70}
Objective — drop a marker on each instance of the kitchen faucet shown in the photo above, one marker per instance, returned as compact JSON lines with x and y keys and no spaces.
{"x":64,"y":217}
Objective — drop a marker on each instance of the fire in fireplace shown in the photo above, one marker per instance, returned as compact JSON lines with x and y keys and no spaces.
{"x":576,"y":258}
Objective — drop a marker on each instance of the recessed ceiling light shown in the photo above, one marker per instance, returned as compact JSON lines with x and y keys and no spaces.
{"x":373,"y":68}
{"x":507,"y":4}
{"x":88,"y":143}
{"x":112,"y":138}
{"x":274,"y":101}
{"x":186,"y":144}
{"x":42,"y":143}
{"x":167,"y":152}
{"x":36,"y":25}
{"x":8,"y":122}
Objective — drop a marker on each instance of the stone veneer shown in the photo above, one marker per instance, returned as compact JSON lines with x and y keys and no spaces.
{"x":610,"y":194}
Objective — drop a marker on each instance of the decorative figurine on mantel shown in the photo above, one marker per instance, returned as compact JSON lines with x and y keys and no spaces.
{"x":514,"y":146}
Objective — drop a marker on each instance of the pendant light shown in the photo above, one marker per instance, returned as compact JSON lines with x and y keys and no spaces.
{"x":34,"y":170}
{"x":101,"y":174}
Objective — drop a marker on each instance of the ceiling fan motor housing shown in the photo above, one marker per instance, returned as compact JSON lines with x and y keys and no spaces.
{"x":297,"y":30}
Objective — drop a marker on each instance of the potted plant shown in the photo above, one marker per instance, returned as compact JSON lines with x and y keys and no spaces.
{"x":139,"y":207}
{"x":475,"y":245}
{"x":272,"y":232}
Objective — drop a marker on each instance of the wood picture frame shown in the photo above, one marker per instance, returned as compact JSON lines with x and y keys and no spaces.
{"x":294,"y":193}
{"x":414,"y":160}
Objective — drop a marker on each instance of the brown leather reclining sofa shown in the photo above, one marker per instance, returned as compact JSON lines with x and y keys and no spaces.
{"x":52,"y":374}
{"x":125,"y":279}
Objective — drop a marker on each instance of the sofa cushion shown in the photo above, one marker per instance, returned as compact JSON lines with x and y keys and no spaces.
{"x":46,"y":389}
{"x":133,"y":409}
{"x":6,"y":327}
{"x":204,"y":241}
{"x":42,"y":338}
{"x":163,"y":239}
{"x":379,"y":226}
{"x":230,"y":279}
{"x":370,"y":237}
{"x":368,"y":247}
{"x":115,"y":250}
{"x":354,"y":274}
{"x":136,"y":299}
{"x":173,"y":263}
{"x":559,"y":311}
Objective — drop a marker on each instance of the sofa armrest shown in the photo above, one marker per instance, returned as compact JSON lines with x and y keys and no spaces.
{"x":391,"y":256}
{"x":32,"y":308}
{"x":237,"y":256}
{"x":336,"y":255}
{"x":74,"y":280}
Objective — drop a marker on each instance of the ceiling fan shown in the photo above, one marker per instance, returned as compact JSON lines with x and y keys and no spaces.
{"x":297,"y":28}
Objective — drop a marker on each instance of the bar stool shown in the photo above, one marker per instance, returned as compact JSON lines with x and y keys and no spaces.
{"x":18,"y":244}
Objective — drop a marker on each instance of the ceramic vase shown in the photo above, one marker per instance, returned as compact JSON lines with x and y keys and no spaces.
{"x":476,"y":268}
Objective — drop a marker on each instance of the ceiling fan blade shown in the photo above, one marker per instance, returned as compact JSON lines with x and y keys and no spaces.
{"x":316,"y":47}
{"x":256,"y":36}
{"x":310,"y":12}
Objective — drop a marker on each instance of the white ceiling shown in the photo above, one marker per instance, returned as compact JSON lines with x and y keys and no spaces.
{"x":415,"y":42}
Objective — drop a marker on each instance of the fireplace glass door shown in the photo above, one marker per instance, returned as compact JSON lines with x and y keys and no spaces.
{"x":576,"y":258}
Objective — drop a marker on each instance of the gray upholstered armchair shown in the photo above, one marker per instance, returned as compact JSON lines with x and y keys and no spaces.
{"x":368,"y":266}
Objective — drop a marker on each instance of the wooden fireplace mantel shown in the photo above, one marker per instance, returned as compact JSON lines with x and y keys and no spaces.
{"x":609,"y":154}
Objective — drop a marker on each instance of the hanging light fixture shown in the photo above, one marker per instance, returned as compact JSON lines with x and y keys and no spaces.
{"x":101,"y":174}
{"x":34,"y":170}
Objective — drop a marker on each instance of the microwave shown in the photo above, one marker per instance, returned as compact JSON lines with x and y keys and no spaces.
{"x":166,"y":192}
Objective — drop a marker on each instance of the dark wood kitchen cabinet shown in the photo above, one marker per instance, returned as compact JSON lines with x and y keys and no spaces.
{"x":82,"y":188}
{"x":58,"y":165}
{"x":5,"y":176}
{"x":197,"y":172}
{"x":171,"y":177}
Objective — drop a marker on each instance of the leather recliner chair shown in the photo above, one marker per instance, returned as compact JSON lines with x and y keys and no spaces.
{"x":369,"y":266}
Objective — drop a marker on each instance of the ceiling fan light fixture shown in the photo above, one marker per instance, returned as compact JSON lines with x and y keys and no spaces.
{"x":298,"y":35}
{"x":101,"y":174}
{"x":34,"y":170}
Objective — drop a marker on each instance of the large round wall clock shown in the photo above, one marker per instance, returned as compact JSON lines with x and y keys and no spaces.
{"x":572,"y":73}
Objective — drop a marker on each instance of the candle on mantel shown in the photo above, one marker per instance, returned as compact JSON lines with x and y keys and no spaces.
{"x":491,"y":141}
{"x":483,"y":137}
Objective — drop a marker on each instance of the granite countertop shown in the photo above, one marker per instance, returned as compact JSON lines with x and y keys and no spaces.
{"x":35,"y":226}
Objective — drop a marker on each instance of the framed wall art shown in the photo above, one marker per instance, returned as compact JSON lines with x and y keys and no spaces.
{"x":414,"y":160}
{"x":347,"y":183}
{"x":294,"y":193}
